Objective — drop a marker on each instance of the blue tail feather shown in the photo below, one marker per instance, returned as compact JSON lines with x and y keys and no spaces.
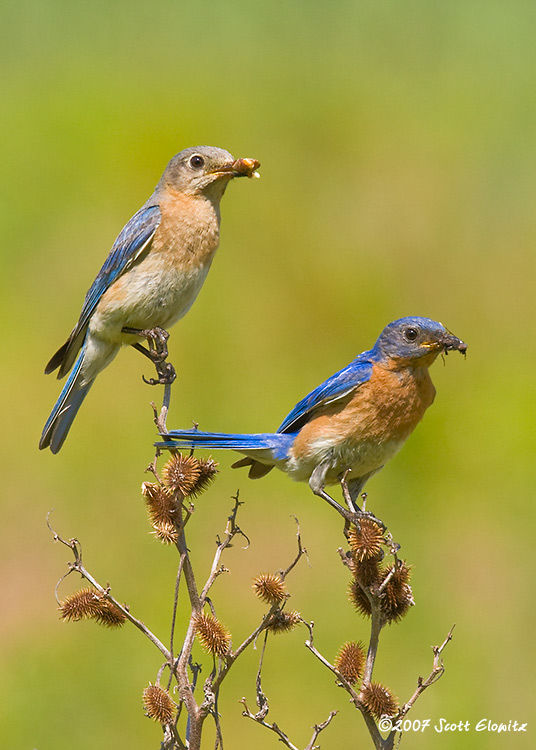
{"x":276,"y":443}
{"x":65,"y":408}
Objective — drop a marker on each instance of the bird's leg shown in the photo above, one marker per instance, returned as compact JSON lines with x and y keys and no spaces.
{"x":350,"y":501}
{"x":157,"y":353}
{"x":317,"y":482}
{"x":351,"y":490}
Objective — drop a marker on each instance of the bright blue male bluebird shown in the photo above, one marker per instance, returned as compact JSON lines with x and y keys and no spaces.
{"x":354,"y":422}
{"x":151,"y":277}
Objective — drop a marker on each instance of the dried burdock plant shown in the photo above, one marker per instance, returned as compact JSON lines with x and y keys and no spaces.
{"x":214,"y":637}
{"x":378,"y":700}
{"x":350,"y":661}
{"x":88,"y":604}
{"x":82,"y":605}
{"x":379,"y":590}
{"x":367,"y":574}
{"x":366,"y":540}
{"x":158,"y":704}
{"x":160,"y":502}
{"x":269,"y":588}
{"x":397,"y":593}
{"x":109,"y":615}
{"x":162,"y":507}
{"x":208,"y":468}
{"x":389,"y":583}
{"x":283,"y":622}
{"x":180,"y":473}
{"x":166,"y":532}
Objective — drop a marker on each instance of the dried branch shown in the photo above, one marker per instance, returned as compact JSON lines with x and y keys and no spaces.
{"x":262,"y":703}
{"x":160,"y":418}
{"x":319,"y":728}
{"x":301,"y":551}
{"x":231,"y":530}
{"x":381,"y":592}
{"x":376,"y":603}
{"x":341,"y":680}
{"x":175,"y":604}
{"x":273,"y":727}
{"x":77,"y":566}
{"x":438,"y":669}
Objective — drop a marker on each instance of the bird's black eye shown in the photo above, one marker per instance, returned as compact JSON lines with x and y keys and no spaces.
{"x":197,"y":162}
{"x":410,"y":334}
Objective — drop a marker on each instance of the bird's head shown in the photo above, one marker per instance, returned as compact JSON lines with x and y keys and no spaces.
{"x":416,"y":340}
{"x":206,"y":170}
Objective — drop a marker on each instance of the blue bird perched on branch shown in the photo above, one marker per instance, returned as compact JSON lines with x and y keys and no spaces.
{"x":353,"y":423}
{"x":149,"y":280}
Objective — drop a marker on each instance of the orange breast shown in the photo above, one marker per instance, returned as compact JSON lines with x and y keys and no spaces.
{"x":188,"y":234}
{"x":385,"y":409}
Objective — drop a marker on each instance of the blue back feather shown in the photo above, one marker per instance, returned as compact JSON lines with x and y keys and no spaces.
{"x":338,"y":386}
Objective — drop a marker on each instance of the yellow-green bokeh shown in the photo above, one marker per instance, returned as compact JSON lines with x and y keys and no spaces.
{"x":397,"y":143}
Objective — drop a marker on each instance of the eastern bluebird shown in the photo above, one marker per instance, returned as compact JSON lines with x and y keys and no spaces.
{"x":151,"y":277}
{"x":354,"y":422}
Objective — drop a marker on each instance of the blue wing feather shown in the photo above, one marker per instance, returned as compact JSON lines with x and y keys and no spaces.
{"x":338,"y":386}
{"x":132,"y":240}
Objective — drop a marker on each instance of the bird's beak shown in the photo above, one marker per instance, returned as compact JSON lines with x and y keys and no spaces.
{"x":239,"y":168}
{"x":451,"y":343}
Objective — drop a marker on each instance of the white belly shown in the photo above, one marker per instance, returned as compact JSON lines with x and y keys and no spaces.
{"x":363,"y":458}
{"x":146,"y":298}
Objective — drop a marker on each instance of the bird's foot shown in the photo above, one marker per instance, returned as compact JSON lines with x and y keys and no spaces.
{"x":355,"y":517}
{"x":157,"y":352}
{"x":354,"y":514}
{"x":166,"y":374}
{"x":156,"y":338}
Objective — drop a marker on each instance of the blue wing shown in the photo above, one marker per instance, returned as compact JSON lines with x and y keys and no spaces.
{"x":134,"y":239}
{"x":337,"y":387}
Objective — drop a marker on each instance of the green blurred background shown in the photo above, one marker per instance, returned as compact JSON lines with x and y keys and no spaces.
{"x":397,"y":143}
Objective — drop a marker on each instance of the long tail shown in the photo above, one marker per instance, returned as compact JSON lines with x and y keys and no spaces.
{"x":264,"y":449}
{"x":65,"y":408}
{"x":273,"y":441}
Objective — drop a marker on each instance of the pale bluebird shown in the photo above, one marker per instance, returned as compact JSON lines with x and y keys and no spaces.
{"x":354,"y":422}
{"x":151,"y":277}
